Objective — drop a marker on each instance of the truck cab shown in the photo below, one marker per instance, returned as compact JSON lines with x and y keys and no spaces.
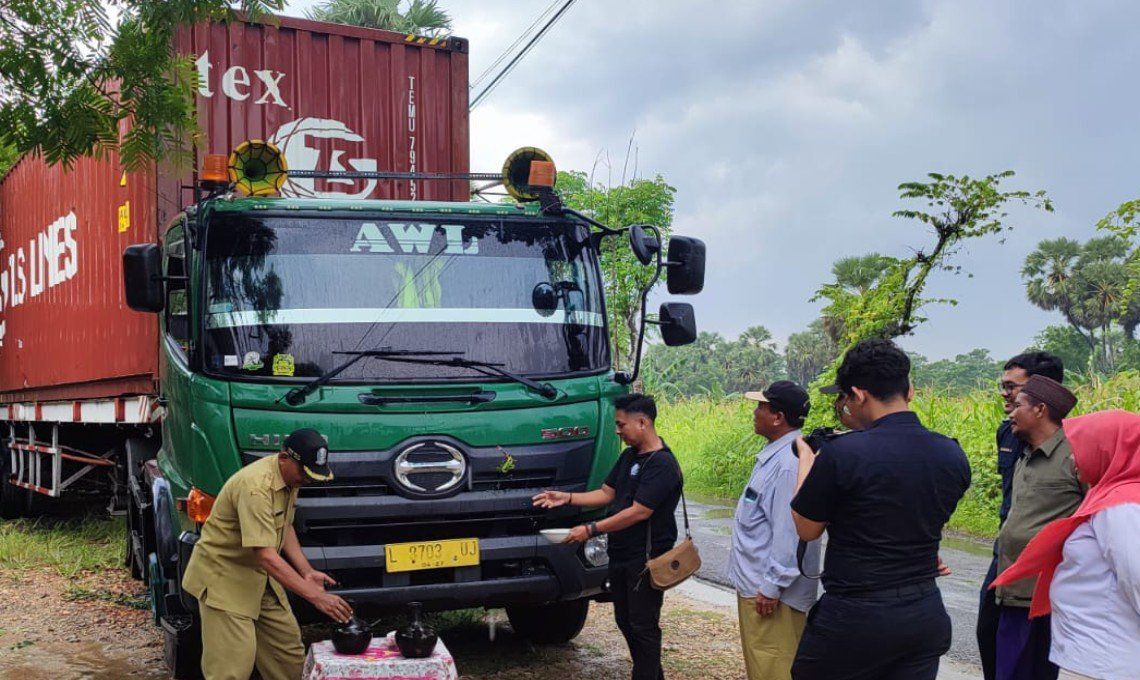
{"x":455,"y":356}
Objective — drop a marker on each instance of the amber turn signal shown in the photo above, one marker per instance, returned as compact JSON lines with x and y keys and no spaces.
{"x":542,"y":174}
{"x":198,"y":506}
{"x":215,"y":168}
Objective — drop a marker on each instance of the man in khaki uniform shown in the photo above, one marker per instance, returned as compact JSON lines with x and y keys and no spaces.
{"x":247,"y":552}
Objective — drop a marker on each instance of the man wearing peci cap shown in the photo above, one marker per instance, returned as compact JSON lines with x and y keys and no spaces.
{"x":1045,"y":488}
{"x":773,"y":597}
{"x":248,"y":555}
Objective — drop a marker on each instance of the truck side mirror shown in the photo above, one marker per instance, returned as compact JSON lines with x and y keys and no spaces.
{"x":678,"y":323}
{"x":142,"y":277}
{"x":686,"y":275}
{"x":643,"y":243}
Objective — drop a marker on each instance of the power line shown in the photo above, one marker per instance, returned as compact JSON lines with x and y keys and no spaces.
{"x":514,"y":62}
{"x":511,"y":48}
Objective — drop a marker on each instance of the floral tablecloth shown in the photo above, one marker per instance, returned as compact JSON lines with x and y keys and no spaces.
{"x":382,"y":659}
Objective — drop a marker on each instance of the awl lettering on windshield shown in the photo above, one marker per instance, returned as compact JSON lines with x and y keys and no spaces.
{"x":409,"y":239}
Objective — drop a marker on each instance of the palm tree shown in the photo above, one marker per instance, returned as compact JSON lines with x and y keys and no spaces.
{"x":422,"y":17}
{"x":1049,"y":273}
{"x":854,"y":277}
{"x":859,"y":272}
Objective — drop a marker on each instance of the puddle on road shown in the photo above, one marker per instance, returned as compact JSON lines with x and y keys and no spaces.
{"x":969,"y":545}
{"x":719,"y":513}
{"x":72,"y":661}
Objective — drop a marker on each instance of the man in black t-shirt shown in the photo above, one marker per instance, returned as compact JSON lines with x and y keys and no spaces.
{"x":883,"y":493}
{"x":642,"y":492}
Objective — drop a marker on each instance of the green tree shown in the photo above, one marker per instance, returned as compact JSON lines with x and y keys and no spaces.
{"x":640,"y":201}
{"x":962,"y":374}
{"x":8,"y":156}
{"x":1123,"y":223}
{"x":752,"y":361}
{"x":854,"y":276}
{"x":70,"y":75}
{"x":421,"y":17}
{"x":955,"y":209}
{"x":808,"y":353}
{"x":691,"y":370}
{"x":1068,"y":343}
{"x":1089,"y":284}
{"x":714,"y":366}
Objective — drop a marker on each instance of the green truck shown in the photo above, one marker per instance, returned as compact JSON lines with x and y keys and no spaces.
{"x":455,"y":355}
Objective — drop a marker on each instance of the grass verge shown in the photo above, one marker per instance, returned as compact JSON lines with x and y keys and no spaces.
{"x":713,"y":440}
{"x":69,"y":547}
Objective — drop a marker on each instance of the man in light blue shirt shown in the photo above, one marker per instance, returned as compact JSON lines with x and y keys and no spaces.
{"x":773,"y":597}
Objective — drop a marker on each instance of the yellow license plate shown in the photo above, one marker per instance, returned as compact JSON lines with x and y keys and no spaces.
{"x":458,"y":552}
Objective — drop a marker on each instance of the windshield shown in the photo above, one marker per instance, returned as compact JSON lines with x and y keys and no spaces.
{"x":284,"y":293}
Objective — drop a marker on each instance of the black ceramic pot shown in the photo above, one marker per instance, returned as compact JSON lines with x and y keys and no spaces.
{"x":352,"y":637}
{"x":417,"y":639}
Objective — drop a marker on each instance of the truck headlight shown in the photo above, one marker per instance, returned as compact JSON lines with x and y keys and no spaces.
{"x":595,"y":551}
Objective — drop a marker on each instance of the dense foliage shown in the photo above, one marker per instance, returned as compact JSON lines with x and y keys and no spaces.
{"x":637,"y":201}
{"x":73,"y":77}
{"x":421,"y":17}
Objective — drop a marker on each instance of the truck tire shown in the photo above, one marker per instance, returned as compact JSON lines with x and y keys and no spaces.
{"x":132,"y":559}
{"x":554,"y":623}
{"x":182,"y":646}
{"x":12,"y":498}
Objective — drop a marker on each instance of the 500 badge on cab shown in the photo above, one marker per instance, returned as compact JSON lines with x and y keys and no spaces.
{"x":565,"y":432}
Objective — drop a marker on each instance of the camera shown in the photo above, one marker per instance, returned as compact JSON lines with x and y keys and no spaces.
{"x":820,"y":436}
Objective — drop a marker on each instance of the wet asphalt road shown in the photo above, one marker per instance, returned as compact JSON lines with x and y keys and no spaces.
{"x":968,"y":560}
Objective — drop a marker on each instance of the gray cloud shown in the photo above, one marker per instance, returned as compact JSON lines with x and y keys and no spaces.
{"x":786,"y":126}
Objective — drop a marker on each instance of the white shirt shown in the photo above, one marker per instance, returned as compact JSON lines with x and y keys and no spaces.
{"x":1096,"y":597}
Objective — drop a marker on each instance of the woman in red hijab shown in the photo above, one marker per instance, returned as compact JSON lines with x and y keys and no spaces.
{"x":1089,"y":564}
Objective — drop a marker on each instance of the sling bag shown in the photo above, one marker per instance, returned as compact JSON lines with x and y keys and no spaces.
{"x":674,"y":566}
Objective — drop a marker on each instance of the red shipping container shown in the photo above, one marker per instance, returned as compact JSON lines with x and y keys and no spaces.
{"x":331,"y":97}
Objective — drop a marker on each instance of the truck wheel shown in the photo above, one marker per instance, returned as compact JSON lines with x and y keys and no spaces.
{"x":554,"y":623}
{"x":182,"y":646}
{"x":11,"y":498}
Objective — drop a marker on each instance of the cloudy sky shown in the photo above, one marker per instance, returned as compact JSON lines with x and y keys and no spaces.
{"x":786,"y":126}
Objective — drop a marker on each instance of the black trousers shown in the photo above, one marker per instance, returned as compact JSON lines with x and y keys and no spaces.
{"x":988,"y":614}
{"x":637,"y":611}
{"x":885,"y":635}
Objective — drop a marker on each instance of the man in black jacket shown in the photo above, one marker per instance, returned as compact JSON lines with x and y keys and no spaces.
{"x":1009,"y":448}
{"x":883,"y":493}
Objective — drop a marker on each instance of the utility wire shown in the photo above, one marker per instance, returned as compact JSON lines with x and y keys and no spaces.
{"x":518,"y":41}
{"x":522,"y":53}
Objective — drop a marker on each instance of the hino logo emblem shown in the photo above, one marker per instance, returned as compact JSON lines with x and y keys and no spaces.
{"x":273,"y":440}
{"x":566,"y":432}
{"x":441,"y":458}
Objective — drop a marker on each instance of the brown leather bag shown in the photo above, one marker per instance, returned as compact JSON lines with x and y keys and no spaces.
{"x":673,"y":567}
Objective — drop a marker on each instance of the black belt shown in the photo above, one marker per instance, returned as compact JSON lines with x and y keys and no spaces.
{"x":893,"y":593}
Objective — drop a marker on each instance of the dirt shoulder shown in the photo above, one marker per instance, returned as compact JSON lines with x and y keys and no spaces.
{"x":91,"y":627}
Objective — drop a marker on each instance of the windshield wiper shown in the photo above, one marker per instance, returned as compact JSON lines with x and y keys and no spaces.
{"x":485,"y":367}
{"x":297,"y":395}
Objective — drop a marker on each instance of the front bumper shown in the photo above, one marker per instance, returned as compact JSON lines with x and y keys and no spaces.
{"x":511,"y":570}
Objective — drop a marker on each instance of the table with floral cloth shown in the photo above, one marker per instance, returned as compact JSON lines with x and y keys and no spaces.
{"x":382,"y":659}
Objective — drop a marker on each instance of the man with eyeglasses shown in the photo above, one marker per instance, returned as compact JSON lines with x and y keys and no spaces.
{"x":1014,"y":376}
